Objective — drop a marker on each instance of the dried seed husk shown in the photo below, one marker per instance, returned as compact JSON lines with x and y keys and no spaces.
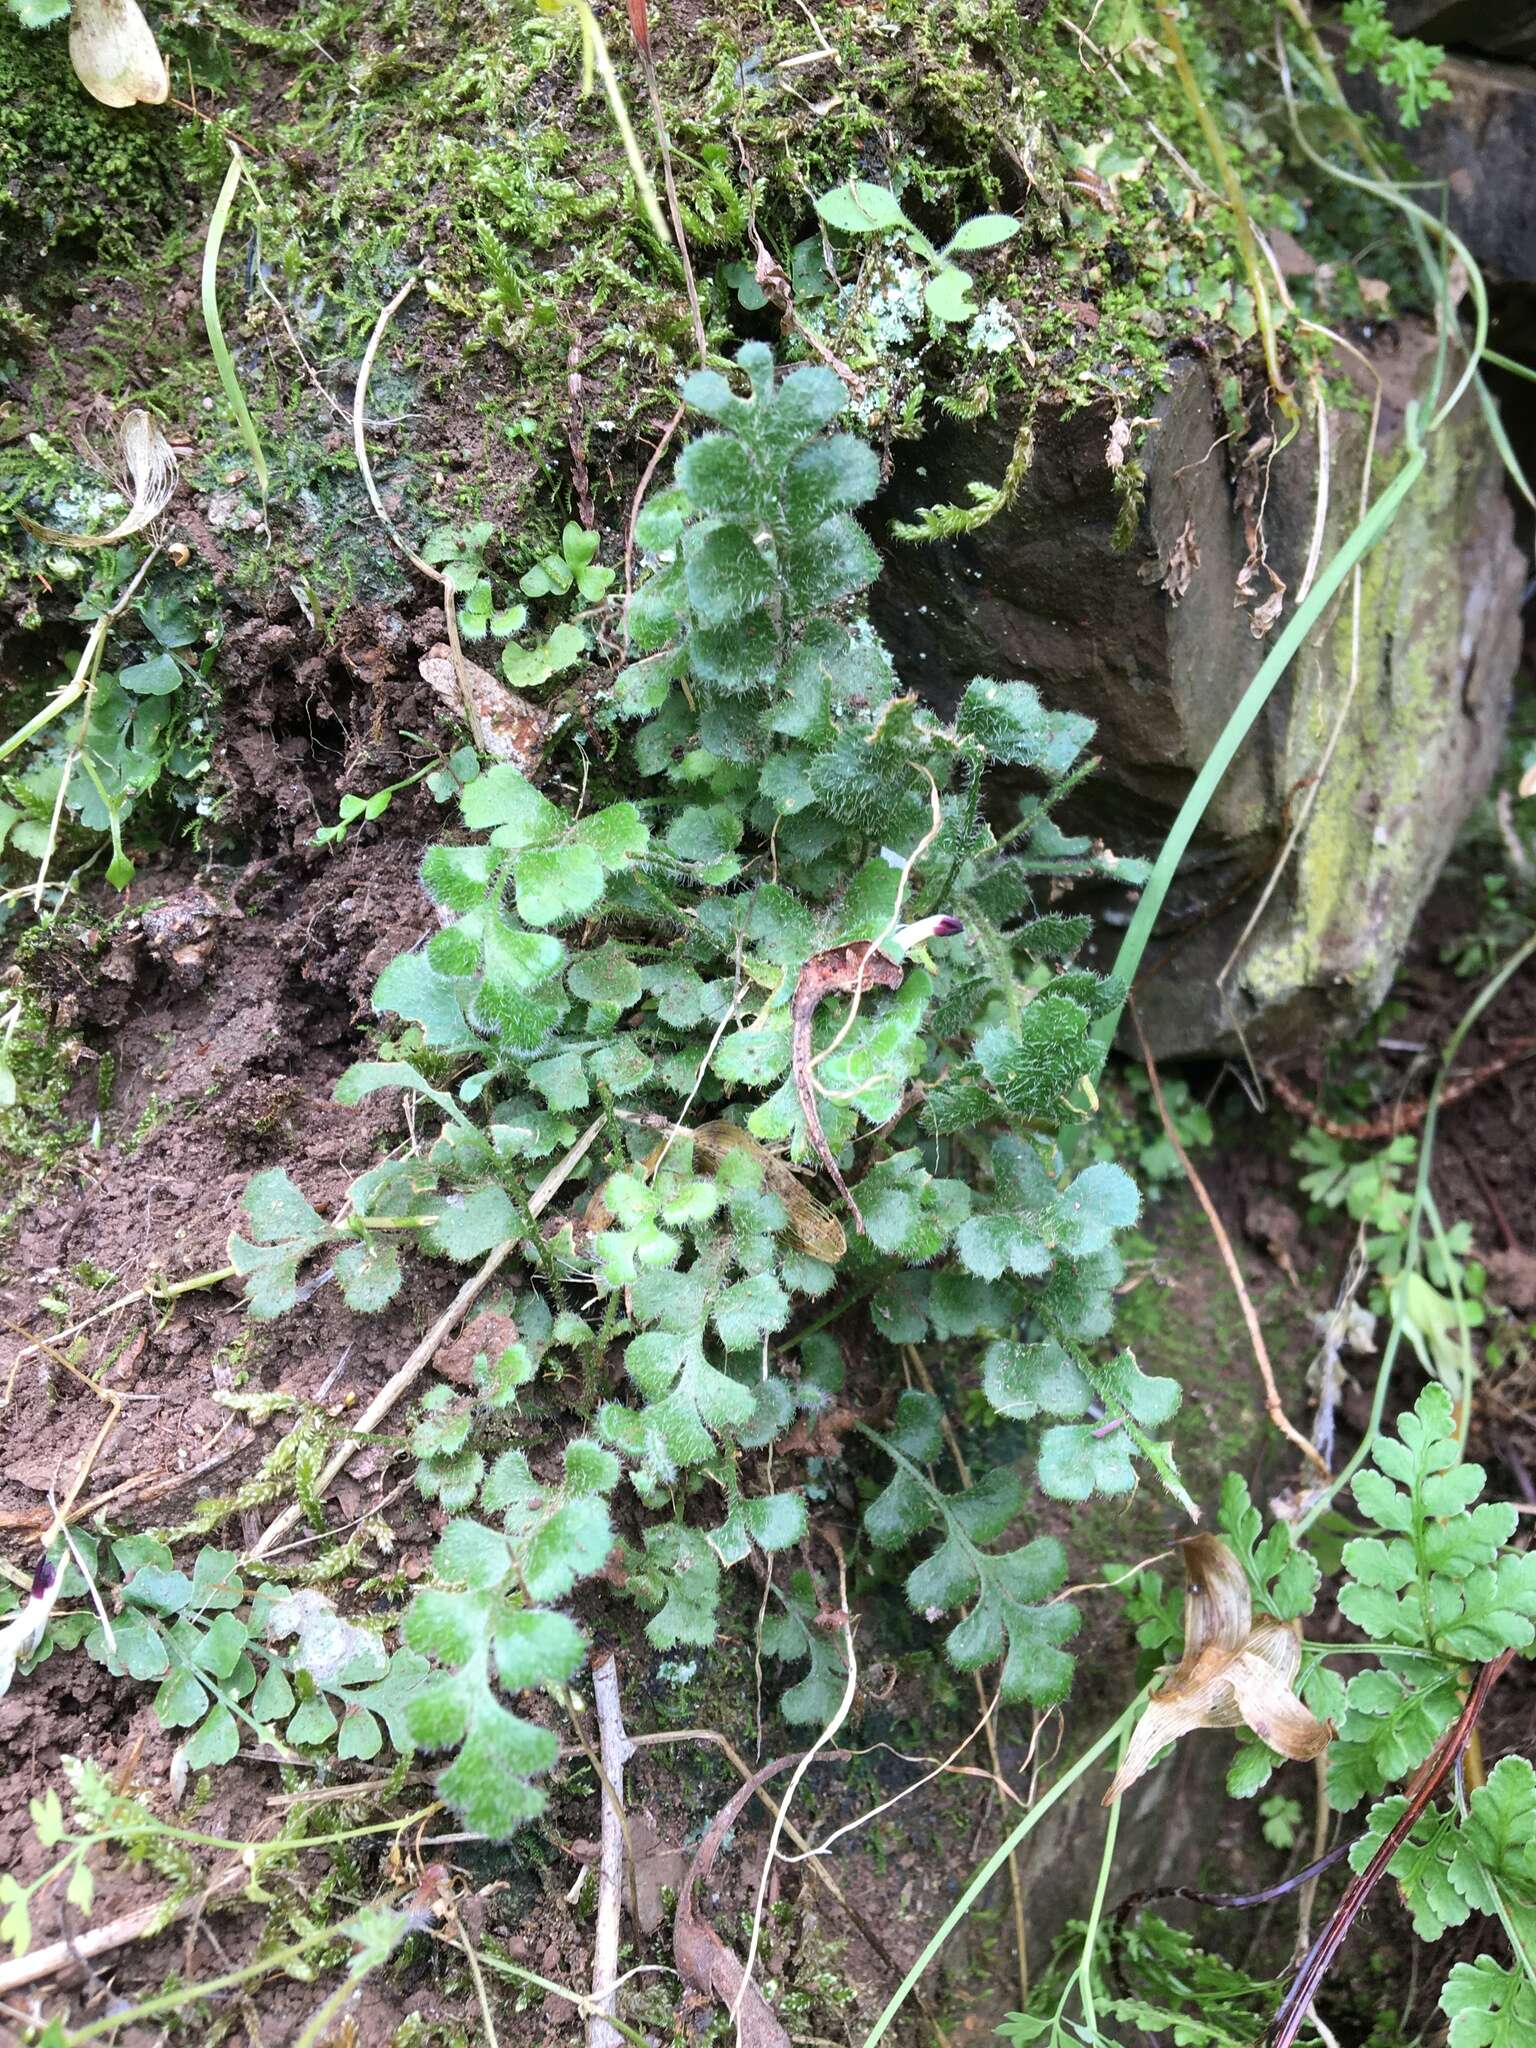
{"x":1232,"y":1674}
{"x":115,"y":55}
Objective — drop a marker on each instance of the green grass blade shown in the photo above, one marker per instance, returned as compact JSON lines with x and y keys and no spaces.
{"x":1495,"y":425}
{"x":1503,"y":362}
{"x":216,"y":341}
{"x":994,"y":1863}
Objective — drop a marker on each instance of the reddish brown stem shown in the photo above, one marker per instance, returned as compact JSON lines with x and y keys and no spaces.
{"x":850,"y":969}
{"x":1289,"y":2019}
{"x":1406,"y":1116}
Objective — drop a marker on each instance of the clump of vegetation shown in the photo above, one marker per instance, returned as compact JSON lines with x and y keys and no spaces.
{"x":749,"y":953}
{"x":753,"y":1033}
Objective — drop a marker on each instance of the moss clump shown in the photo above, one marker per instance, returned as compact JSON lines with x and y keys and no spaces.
{"x":543,"y":348}
{"x":71,"y":172}
{"x":34,"y":1134}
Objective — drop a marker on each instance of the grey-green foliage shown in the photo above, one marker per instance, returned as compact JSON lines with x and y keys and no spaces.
{"x":210,"y":1642}
{"x":490,"y":1628}
{"x":624,"y":944}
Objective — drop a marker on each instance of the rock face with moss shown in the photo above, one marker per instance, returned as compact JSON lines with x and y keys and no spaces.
{"x":1405,"y":699}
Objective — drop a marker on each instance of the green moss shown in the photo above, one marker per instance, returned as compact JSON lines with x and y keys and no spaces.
{"x":452,"y":143}
{"x":35,"y":1136}
{"x":1359,"y":877}
{"x":71,"y":171}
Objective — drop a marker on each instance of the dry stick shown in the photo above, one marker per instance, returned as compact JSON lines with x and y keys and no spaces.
{"x":1404,"y":1116}
{"x":402,"y":1381}
{"x":360,"y":451}
{"x":617,"y":1749}
{"x":1322,"y":1813}
{"x":1288,"y":2021}
{"x":487,"y":2020}
{"x":148,"y":1292}
{"x":665,"y":147}
{"x":18,"y":1971}
{"x":1272,"y":1407}
{"x":333,"y":1794}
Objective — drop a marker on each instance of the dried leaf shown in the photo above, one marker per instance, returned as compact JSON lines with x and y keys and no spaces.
{"x":1183,"y":561}
{"x":152,"y":471}
{"x":515,"y":729}
{"x":704,"y":1962}
{"x":771,"y":280}
{"x":115,"y":55}
{"x":1232,"y":1674}
{"x":813,"y":1226}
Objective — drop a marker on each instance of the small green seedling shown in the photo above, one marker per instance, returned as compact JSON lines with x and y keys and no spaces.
{"x":857,"y":208}
{"x":553,"y":575}
{"x":443,"y":778}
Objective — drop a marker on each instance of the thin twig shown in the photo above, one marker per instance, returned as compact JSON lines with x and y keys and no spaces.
{"x":1403,"y":1116}
{"x":646,"y":477}
{"x":360,"y":450}
{"x":823,"y":1739}
{"x":1322,"y":1812}
{"x":1319,"y":773}
{"x":1272,"y":1406}
{"x":17,"y":1971}
{"x":477,"y":1975}
{"x":617,"y":1749}
{"x":402,"y":1381}
{"x":664,"y":145}
{"x":1288,"y":2021}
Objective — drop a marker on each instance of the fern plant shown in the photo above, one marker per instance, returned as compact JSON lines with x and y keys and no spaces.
{"x":734,"y":939}
{"x":1434,"y":1587}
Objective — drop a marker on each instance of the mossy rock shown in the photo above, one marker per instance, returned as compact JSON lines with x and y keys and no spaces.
{"x":1156,"y":632}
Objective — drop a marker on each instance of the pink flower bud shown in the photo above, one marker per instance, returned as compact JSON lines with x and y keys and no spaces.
{"x":943,"y":927}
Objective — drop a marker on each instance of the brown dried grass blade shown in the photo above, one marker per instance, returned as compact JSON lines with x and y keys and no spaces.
{"x":153,"y":473}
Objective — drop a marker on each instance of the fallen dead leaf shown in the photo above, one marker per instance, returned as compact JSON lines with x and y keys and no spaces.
{"x":1183,"y":561}
{"x":1233,"y":1673}
{"x":515,"y":730}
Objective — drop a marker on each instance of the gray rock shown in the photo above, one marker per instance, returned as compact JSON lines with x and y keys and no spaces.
{"x":1043,"y":593}
{"x":1482,"y":142}
{"x":1501,"y":28}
